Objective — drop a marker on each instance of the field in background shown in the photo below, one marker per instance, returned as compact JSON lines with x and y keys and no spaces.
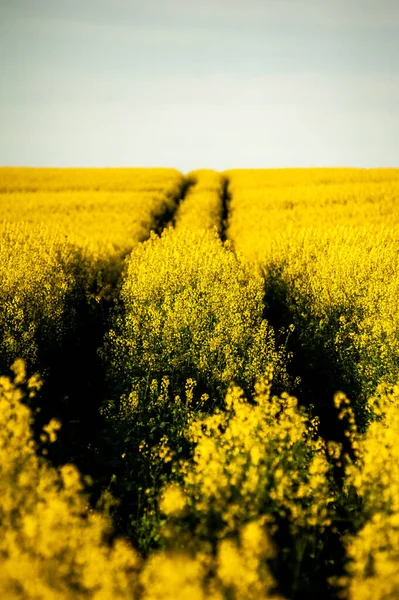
{"x":216,"y":398}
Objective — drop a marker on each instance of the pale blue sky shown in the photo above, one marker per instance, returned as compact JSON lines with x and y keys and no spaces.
{"x":218,"y":83}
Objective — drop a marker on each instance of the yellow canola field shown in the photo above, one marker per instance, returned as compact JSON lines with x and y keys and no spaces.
{"x":27,"y":179}
{"x":267,"y":178}
{"x":234,"y":495}
{"x":329,"y":252}
{"x":53,"y":545}
{"x":269,"y":205}
{"x":63,"y":235}
{"x":327,"y":243}
{"x":110,"y":209}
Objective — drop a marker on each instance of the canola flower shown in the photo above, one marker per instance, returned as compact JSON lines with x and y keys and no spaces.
{"x":252,"y":460}
{"x":254,"y":464}
{"x":190,"y":309}
{"x":64,"y":233}
{"x":52,"y":545}
{"x":327,"y":243}
{"x":238,"y":570}
{"x":343,"y":294}
{"x":373,"y":553}
{"x":39,"y":272}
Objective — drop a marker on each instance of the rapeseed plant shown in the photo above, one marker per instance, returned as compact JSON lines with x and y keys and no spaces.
{"x":39,"y":273}
{"x":326,"y":241}
{"x":254,"y":466}
{"x":191,"y":309}
{"x":373,"y":552}
{"x":191,"y":323}
{"x":238,"y":570}
{"x":52,"y":544}
{"x":252,"y":459}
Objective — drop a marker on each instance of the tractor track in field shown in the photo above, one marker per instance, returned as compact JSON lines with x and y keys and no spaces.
{"x":225,"y":200}
{"x":317,"y":374}
{"x":167,"y":218}
{"x":75,"y":384}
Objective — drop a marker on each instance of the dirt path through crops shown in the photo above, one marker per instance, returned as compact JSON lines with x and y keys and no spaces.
{"x":225,"y":199}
